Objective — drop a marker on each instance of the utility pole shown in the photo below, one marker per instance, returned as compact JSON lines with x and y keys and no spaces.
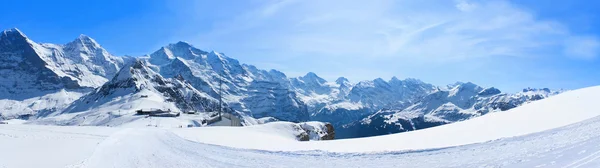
{"x":220,"y":97}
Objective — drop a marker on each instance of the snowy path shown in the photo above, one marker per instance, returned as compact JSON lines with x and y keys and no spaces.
{"x":573,"y":146}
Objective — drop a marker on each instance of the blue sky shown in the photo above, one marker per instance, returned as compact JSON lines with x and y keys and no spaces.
{"x":507,"y":44}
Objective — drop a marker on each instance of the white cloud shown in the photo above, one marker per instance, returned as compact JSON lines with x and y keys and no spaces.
{"x":584,"y":47}
{"x":465,"y":6}
{"x":431,"y":30}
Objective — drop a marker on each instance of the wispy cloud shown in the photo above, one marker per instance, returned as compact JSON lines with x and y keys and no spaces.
{"x":395,"y":37}
{"x":440,"y":30}
{"x":584,"y":47}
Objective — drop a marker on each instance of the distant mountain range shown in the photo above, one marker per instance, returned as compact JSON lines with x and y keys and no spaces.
{"x":42,"y":80}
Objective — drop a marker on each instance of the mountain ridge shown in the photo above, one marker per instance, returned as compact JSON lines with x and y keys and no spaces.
{"x":84,"y":64}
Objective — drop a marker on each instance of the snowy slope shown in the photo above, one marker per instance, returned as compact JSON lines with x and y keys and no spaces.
{"x":38,"y":106}
{"x":560,"y":131}
{"x":135,"y":87}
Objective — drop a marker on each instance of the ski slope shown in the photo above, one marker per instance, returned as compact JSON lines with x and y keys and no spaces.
{"x":561,"y":131}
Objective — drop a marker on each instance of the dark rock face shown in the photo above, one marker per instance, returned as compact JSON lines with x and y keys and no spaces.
{"x":330,"y":132}
{"x":270,"y":99}
{"x":374,"y":128}
{"x":340,"y":116}
{"x":24,"y":67}
{"x":489,"y":92}
{"x":303,"y":137}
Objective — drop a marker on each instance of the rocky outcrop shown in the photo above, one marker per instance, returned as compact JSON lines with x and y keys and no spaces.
{"x":303,"y":137}
{"x":318,"y":130}
{"x":330,"y":132}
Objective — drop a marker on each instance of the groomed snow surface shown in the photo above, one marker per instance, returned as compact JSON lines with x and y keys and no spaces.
{"x":560,"y":131}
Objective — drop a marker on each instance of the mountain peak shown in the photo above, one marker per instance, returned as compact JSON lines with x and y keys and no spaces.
{"x":181,"y":44}
{"x":138,"y":64}
{"x":215,"y":53}
{"x":489,"y":91}
{"x":469,"y":85}
{"x":13,"y":30}
{"x":413,"y":80}
{"x":311,"y":76}
{"x":84,"y":41}
{"x":465,"y":87}
{"x":379,"y":80}
{"x":85,"y":38}
{"x":13,"y":33}
{"x":180,"y":49}
{"x":341,"y":80}
{"x":277,"y":73}
{"x":136,"y":74}
{"x":535,"y":90}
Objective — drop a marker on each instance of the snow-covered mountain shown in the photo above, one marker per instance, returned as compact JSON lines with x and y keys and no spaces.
{"x":135,"y":87}
{"x":45,"y":80}
{"x":245,"y":88}
{"x":368,"y":97}
{"x":463,"y":101}
{"x":139,"y":80}
{"x":317,"y":92}
{"x":46,"y":77}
